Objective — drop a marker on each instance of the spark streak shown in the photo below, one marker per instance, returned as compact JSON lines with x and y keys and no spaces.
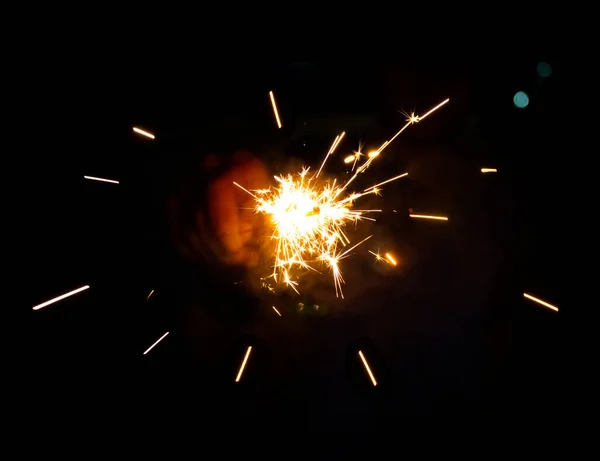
{"x":539,"y":301}
{"x":391,"y":259}
{"x":275,"y":309}
{"x":157,"y":341}
{"x":143,"y":133}
{"x":349,"y":159}
{"x":364,"y":361}
{"x":423,"y":216}
{"x":239,"y":375}
{"x":58,"y":298}
{"x":101,"y":179}
{"x":149,"y":295}
{"x":275,"y":109}
{"x":489,"y":170}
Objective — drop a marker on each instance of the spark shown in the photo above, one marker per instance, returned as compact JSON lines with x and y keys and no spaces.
{"x":239,"y":375}
{"x":143,"y":133}
{"x":275,"y":309}
{"x":308,"y":216}
{"x":275,"y":109}
{"x":349,"y":159}
{"x":101,"y":179}
{"x":149,"y":295}
{"x":336,"y":141}
{"x":489,"y":170}
{"x":539,"y":301}
{"x":157,"y":341}
{"x":378,"y":257}
{"x":364,"y":361}
{"x":58,"y":298}
{"x":391,"y":259}
{"x":424,"y":216}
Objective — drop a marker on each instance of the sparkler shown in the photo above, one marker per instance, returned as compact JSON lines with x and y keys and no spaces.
{"x":309,"y":215}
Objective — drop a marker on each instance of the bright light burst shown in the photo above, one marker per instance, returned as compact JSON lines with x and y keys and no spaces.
{"x":308,"y":216}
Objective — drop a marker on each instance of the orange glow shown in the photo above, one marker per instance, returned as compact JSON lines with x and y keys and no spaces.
{"x":275,"y":109}
{"x":349,"y":159}
{"x":367,"y":368}
{"x":239,"y":376}
{"x":373,"y":153}
{"x":441,"y":218}
{"x":390,"y":259}
{"x":539,"y":301}
{"x":143,"y":133}
{"x":278,"y":313}
{"x":101,"y":179}
{"x":157,"y":341}
{"x":149,"y":295}
{"x":58,"y":298}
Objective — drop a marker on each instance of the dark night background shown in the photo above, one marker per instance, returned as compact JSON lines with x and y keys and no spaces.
{"x":448,"y":334}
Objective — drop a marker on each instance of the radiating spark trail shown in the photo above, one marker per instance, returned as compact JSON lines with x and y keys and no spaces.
{"x":245,"y":190}
{"x":143,"y":133}
{"x":58,"y":298}
{"x":275,"y":109}
{"x":385,"y":182}
{"x":364,"y":361}
{"x":422,"y":117}
{"x":539,"y":301}
{"x":149,"y":295}
{"x":101,"y":179}
{"x":441,"y":218}
{"x":391,"y":259}
{"x":275,"y":309}
{"x":239,"y":375}
{"x":489,"y":170}
{"x":378,"y":257}
{"x":336,"y":141}
{"x":157,"y":341}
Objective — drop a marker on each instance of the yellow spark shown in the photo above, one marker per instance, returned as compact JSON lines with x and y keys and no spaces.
{"x":149,"y":295}
{"x":373,"y":154}
{"x":378,"y":257}
{"x":539,"y":301}
{"x":441,"y":218}
{"x":157,"y":341}
{"x":275,"y":309}
{"x":58,"y":298}
{"x":101,"y":179}
{"x":275,"y":109}
{"x":349,"y":159}
{"x":385,"y":182}
{"x":489,"y":170}
{"x":391,"y":259}
{"x":364,"y":361}
{"x":337,"y":142}
{"x":239,"y":375}
{"x":143,"y":133}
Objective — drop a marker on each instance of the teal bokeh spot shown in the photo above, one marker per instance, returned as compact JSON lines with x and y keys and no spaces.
{"x":521,"y":99}
{"x":544,"y":70}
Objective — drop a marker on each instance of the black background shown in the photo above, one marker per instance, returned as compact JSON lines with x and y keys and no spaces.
{"x":449,"y":335}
